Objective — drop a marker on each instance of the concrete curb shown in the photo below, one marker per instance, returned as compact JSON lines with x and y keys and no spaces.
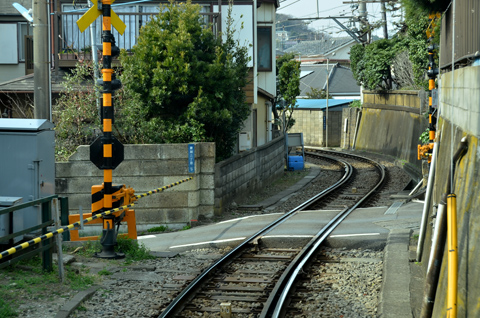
{"x":72,"y":304}
{"x":395,"y":294}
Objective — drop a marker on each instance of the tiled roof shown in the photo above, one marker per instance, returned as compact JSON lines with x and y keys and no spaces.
{"x":341,"y":80}
{"x":318,"y":47}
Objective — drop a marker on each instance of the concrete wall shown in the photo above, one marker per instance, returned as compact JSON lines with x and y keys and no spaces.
{"x":460,"y":117}
{"x":352,"y":116}
{"x":247,"y":171}
{"x":145,"y":168}
{"x":391,"y":124}
{"x":310,"y":123}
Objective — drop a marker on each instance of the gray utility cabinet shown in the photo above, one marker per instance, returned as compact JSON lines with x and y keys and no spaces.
{"x":27,"y":169}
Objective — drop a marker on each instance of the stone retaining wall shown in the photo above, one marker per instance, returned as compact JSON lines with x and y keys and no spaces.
{"x":247,"y":172}
{"x":391,"y":124}
{"x":460,"y":117}
{"x":145,"y":168}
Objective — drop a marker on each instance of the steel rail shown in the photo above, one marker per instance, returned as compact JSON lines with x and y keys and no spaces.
{"x":276,"y":303}
{"x":187,"y":294}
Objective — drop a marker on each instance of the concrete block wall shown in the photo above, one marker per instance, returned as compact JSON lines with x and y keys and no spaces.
{"x":392,"y":129}
{"x":310,"y":123}
{"x":459,"y":117}
{"x":248,"y":171}
{"x":145,"y":168}
{"x":351,"y":115}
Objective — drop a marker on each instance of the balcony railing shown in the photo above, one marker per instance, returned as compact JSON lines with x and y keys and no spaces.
{"x":72,"y":46}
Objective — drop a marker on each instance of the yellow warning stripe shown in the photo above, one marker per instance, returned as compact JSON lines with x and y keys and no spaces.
{"x":69,"y":227}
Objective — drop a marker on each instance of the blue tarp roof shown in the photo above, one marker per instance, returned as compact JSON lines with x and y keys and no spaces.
{"x":322,"y":103}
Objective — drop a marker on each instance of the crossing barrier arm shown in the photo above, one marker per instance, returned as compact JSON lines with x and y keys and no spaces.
{"x":69,"y":227}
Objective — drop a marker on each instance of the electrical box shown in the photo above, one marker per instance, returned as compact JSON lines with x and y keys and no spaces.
{"x":245,"y":141}
{"x":27,"y":166}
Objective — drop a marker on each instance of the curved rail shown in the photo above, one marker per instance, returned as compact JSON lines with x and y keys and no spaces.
{"x":187,"y":294}
{"x":276,"y":303}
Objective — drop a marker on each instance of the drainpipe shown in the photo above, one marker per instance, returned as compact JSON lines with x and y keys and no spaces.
{"x":438,"y":243}
{"x":435,"y":260}
{"x":452,"y":256}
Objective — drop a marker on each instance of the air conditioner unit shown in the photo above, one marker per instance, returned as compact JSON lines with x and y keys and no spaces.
{"x":245,"y":141}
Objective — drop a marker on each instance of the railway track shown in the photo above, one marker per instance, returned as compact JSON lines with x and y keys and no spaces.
{"x":255,"y":281}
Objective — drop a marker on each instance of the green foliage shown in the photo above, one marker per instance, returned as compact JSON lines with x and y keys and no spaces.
{"x":160,"y":228}
{"x":425,"y":136}
{"x":75,"y":114}
{"x":186,"y":227}
{"x":371,"y":64}
{"x":6,"y":310}
{"x":79,"y":282}
{"x":104,"y":272}
{"x":288,"y":88}
{"x":318,"y":93}
{"x":26,"y":279}
{"x":90,"y":248}
{"x":356,"y":104}
{"x":132,"y":249}
{"x":185,"y":83}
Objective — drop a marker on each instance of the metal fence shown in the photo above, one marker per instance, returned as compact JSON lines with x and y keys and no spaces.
{"x":71,"y":45}
{"x":46,"y":246}
{"x":466,"y":39}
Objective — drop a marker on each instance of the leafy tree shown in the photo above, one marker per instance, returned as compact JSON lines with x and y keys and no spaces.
{"x":75,"y":113}
{"x":372,"y":64}
{"x":186,"y":83}
{"x":318,"y":93}
{"x":288,"y":88}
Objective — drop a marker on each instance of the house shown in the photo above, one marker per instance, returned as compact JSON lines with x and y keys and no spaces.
{"x":254,"y":21}
{"x":341,"y":84}
{"x":311,"y":120}
{"x":16,"y":37}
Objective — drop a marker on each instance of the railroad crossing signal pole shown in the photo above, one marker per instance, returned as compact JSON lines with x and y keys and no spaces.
{"x":432,"y":72}
{"x":106,"y":152}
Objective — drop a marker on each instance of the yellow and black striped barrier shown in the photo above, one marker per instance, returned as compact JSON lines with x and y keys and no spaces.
{"x":69,"y":227}
{"x":138,"y":196}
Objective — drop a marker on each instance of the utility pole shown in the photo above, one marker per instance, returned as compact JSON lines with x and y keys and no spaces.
{"x":326,"y":123}
{"x":362,"y":16}
{"x":41,"y":94}
{"x":384,"y":20}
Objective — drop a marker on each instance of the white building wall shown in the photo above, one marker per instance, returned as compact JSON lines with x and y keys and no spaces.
{"x":266,"y":17}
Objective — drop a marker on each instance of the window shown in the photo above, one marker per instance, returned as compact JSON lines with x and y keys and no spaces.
{"x":25,"y":30}
{"x":264,"y":49}
{"x":9,"y":47}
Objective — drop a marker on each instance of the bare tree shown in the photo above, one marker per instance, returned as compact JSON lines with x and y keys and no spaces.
{"x":16,"y":106}
{"x":402,"y":70}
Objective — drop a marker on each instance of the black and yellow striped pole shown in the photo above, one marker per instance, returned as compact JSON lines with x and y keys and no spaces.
{"x":432,"y":72}
{"x":106,"y":152}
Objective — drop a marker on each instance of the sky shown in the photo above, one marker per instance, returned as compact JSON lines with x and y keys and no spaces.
{"x":308,"y":9}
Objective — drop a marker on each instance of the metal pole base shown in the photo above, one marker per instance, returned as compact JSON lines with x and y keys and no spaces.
{"x":109,"y":240}
{"x":109,"y":254}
